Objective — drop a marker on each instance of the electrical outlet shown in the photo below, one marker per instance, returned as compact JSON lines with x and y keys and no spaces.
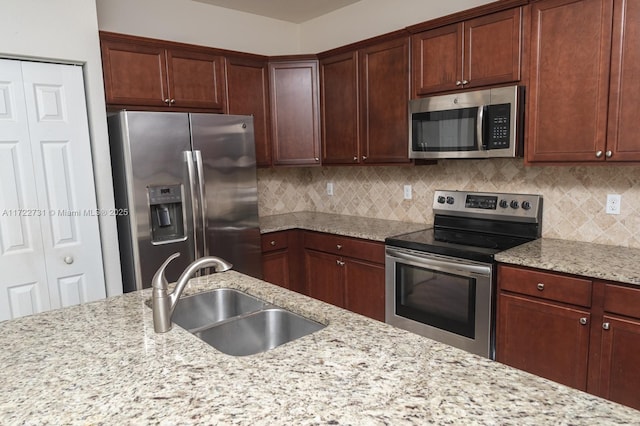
{"x":613,"y":203}
{"x":329,"y":188}
{"x":407,"y":192}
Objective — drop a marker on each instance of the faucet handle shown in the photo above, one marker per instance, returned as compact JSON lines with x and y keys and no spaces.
{"x":159,"y":281}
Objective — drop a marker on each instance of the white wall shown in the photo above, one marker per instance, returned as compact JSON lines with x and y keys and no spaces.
{"x":370,"y":18}
{"x":67,"y":31}
{"x":192,"y":22}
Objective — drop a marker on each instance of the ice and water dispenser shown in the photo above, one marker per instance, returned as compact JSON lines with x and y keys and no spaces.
{"x":167,"y":217}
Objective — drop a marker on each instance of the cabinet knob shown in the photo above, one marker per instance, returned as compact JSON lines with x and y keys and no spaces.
{"x":364,"y":157}
{"x":465,"y":82}
{"x":68,"y":260}
{"x":338,"y":246}
{"x":355,"y":158}
{"x":458,"y":83}
{"x":606,"y":325}
{"x":608,"y":154}
{"x":316,"y":159}
{"x":172,"y":101}
{"x":273,"y":243}
{"x":166,"y":101}
{"x":598,"y":154}
{"x":583,"y":320}
{"x":540,"y":286}
{"x":339,"y":263}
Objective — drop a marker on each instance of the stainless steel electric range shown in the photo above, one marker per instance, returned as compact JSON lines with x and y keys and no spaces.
{"x":440,"y":282}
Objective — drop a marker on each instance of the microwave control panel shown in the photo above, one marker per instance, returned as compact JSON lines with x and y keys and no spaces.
{"x":498,"y":119}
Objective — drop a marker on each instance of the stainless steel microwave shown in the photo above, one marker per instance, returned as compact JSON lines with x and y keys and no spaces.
{"x":477,"y":124}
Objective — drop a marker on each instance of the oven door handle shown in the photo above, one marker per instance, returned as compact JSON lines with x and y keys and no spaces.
{"x":440,"y":263}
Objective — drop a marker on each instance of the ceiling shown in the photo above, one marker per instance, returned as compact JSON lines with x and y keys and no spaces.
{"x":295,"y":11}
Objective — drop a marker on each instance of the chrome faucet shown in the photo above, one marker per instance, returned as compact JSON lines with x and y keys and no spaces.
{"x":164,"y":304}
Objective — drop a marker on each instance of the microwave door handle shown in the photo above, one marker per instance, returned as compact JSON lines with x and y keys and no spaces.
{"x":480,"y":128}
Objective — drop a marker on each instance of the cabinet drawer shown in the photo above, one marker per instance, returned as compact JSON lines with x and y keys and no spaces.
{"x":560,"y":288}
{"x":622,"y":300}
{"x":274,"y":241}
{"x":345,"y":246}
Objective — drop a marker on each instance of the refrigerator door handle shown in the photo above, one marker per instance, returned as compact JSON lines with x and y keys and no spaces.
{"x":201,"y":228}
{"x":195,"y":202}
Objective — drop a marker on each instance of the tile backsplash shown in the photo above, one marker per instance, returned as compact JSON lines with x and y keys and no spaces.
{"x":574,"y":197}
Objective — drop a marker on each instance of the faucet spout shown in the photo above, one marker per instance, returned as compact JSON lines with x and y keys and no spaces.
{"x":164,"y":303}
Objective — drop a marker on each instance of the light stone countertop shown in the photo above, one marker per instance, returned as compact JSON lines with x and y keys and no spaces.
{"x":349,"y":226}
{"x":590,"y":260}
{"x":101,"y":363}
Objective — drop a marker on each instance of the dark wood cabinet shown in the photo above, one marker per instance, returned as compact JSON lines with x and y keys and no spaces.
{"x":582,"y":333}
{"x":282,"y":259}
{"x":345,"y":272}
{"x":145,"y":73}
{"x":364,"y":98}
{"x":295,"y":114}
{"x":384,"y":99}
{"x":478,"y":52}
{"x":340,"y":109}
{"x":582,"y":98}
{"x":248,"y":94}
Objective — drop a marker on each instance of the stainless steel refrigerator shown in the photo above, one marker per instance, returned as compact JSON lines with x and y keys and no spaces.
{"x":184,"y":182}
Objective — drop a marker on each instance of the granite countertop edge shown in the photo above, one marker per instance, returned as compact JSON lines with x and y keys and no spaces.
{"x":590,"y":260}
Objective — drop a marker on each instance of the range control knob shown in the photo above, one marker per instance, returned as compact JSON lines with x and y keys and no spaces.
{"x":514,"y":204}
{"x":441,"y":199}
{"x":504,"y":204}
{"x":450,"y":200}
{"x":526,"y":205}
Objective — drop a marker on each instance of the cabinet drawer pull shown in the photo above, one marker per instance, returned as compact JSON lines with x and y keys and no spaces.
{"x":606,"y":325}
{"x":273,"y":243}
{"x":583,"y":320}
{"x":339,"y":246}
{"x":540,"y":286}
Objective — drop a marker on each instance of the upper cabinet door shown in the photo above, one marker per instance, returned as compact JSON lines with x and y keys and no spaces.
{"x":479,"y":52}
{"x":569,"y":80}
{"x":295,"y":112}
{"x":492,"y":49}
{"x":384,"y":100}
{"x":339,"y":104}
{"x":248,"y":94}
{"x":437,"y":59}
{"x":134,"y":73}
{"x":196,"y":80}
{"x":623,"y":143}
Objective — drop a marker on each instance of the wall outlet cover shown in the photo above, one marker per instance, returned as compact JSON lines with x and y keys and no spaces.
{"x":407,"y":192}
{"x":330,"y":188}
{"x":613,"y":203}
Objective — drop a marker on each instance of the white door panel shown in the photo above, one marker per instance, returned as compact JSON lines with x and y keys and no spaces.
{"x":23,"y":278}
{"x":50,"y":253}
{"x":63,"y":169}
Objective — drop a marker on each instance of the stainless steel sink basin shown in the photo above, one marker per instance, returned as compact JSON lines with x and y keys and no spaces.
{"x":258,"y":332}
{"x":211,"y":307}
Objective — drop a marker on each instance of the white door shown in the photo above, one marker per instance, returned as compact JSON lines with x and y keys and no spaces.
{"x":23,"y":277}
{"x":62,"y":176}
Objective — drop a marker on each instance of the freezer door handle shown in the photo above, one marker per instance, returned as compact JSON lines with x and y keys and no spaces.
{"x":201,"y":227}
{"x":195,"y":202}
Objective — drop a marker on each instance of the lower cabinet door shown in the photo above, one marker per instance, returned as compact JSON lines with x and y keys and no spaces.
{"x":324,"y":277}
{"x":545,"y":339}
{"x":275,"y":268}
{"x":364,"y":288}
{"x":619,"y":368}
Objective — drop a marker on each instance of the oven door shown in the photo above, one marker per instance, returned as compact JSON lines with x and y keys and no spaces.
{"x":440,"y":297}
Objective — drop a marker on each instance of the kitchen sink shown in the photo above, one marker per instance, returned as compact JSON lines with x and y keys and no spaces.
{"x":239,"y":324}
{"x":258,"y":332}
{"x":211,"y":307}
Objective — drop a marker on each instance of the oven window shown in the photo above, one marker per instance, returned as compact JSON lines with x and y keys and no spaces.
{"x":451,"y":130}
{"x":441,"y":300}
